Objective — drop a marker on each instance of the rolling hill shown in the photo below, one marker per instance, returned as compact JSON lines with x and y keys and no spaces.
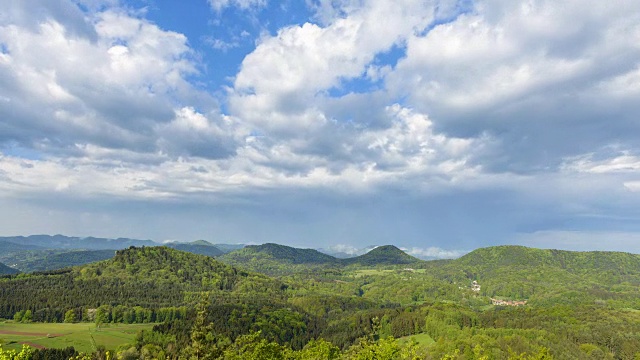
{"x":200,"y":247}
{"x":382,"y":255}
{"x":6,"y":270}
{"x":546,"y":277}
{"x":69,"y":242}
{"x":290,"y":254}
{"x":62,"y":260}
{"x":149,"y":277}
{"x":275,"y":259}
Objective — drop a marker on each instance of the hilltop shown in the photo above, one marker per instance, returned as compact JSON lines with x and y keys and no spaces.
{"x":275,"y":259}
{"x":50,"y":252}
{"x":382,"y":255}
{"x":290,"y":254}
{"x":150,"y":277}
{"x":545,"y":277}
{"x":200,"y":247}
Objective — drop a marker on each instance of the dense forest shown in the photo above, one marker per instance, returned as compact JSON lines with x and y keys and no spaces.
{"x":504,"y":302}
{"x":4,"y":269}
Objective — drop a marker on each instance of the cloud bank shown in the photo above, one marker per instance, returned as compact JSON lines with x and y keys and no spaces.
{"x":492,"y":118}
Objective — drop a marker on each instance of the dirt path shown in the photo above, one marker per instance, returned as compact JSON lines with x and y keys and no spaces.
{"x":22,"y":333}
{"x":37,"y":346}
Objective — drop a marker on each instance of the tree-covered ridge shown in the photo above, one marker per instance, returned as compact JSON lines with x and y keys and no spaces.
{"x":197,"y":247}
{"x":382,"y":255}
{"x":71,"y":242}
{"x":6,"y":270}
{"x":52,"y":260}
{"x":287,"y":253}
{"x":150,"y":277}
{"x":546,"y":276}
{"x":275,"y":259}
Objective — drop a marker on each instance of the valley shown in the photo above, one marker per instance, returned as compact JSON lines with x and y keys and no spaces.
{"x":296,"y":301}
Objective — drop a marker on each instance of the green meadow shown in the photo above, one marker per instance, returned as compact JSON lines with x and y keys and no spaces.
{"x":84,"y":337}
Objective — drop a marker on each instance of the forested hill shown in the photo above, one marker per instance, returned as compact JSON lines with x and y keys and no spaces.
{"x":546,"y":277}
{"x":275,"y":259}
{"x":150,"y":277}
{"x":65,"y":259}
{"x":200,"y":247}
{"x":289,"y":254}
{"x":597,"y":263}
{"x":11,"y":247}
{"x":382,"y":255}
{"x":5,"y":270}
{"x":69,"y":242}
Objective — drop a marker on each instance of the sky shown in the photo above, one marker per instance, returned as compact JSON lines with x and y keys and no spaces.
{"x":437,"y":126}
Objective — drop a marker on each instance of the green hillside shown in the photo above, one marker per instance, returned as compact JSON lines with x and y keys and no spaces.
{"x":275,"y":259}
{"x":382,"y":255}
{"x":6,"y":270}
{"x":547,"y":277}
{"x":66,"y":259}
{"x":199,"y":247}
{"x":572,"y":305}
{"x":148,"y":277}
{"x":290,"y":254}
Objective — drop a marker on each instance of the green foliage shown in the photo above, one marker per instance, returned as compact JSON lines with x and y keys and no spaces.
{"x":24,"y":354}
{"x":150,"y":278}
{"x":70,"y":316}
{"x":382,"y":255}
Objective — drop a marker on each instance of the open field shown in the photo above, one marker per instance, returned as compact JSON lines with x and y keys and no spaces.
{"x":82,"y":336}
{"x":423,"y":340}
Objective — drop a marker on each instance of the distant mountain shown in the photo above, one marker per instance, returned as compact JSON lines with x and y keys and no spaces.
{"x":67,"y":242}
{"x":65,"y":259}
{"x":6,"y":270}
{"x":285,"y":253}
{"x":382,"y":255}
{"x":227,"y":248}
{"x":275,"y":259}
{"x":201,"y":242}
{"x":11,"y":247}
{"x":200,"y":247}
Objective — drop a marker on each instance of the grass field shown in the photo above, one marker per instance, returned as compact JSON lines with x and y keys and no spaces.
{"x":423,"y":340}
{"x":83,"y":336}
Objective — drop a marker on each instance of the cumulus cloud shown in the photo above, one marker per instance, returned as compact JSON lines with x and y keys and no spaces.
{"x":527,"y":72}
{"x":417,"y":99}
{"x":219,"y":5}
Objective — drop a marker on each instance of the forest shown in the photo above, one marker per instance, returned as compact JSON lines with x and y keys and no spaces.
{"x":276,"y":302}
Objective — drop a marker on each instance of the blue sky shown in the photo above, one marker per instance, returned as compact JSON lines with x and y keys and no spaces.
{"x":439,"y":126}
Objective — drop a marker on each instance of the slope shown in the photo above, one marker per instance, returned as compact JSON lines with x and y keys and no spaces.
{"x":382,"y":255}
{"x":69,"y":242}
{"x":197,"y":247}
{"x":547,"y":276}
{"x":6,"y":270}
{"x":65,"y":259}
{"x":149,"y":277}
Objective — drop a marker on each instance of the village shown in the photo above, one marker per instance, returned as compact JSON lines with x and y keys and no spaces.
{"x":475,"y":287}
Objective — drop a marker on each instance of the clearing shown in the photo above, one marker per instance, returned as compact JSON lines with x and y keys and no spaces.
{"x":84,"y":337}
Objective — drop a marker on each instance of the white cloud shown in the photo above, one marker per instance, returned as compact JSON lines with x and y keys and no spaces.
{"x":219,"y":5}
{"x":622,"y":163}
{"x":278,"y":81}
{"x":432,"y":253}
